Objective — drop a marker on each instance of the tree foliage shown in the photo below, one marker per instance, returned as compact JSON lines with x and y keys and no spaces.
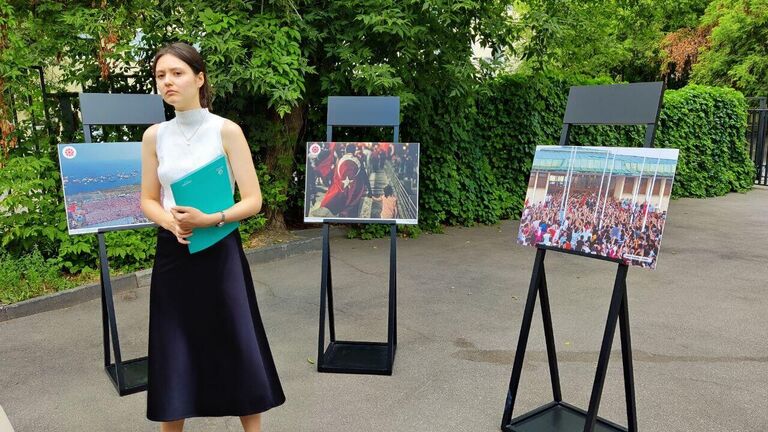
{"x":737,"y":55}
{"x":681,"y":50}
{"x":271,"y":63}
{"x":614,"y":38}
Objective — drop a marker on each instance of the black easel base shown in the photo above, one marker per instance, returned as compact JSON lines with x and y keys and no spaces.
{"x":370,"y":358}
{"x":558,"y":417}
{"x":134,"y":376}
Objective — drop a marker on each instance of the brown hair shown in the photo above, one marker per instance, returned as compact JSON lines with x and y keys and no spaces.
{"x":189,"y":55}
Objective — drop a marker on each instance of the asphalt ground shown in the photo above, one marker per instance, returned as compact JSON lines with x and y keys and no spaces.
{"x":699,"y":326}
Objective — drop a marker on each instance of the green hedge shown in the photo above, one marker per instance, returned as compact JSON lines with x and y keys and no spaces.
{"x":515,"y":114}
{"x":708,"y":125}
{"x":476,"y":151}
{"x":458,"y":184}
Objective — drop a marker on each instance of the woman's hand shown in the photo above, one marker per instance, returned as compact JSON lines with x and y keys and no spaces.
{"x":181,"y":235}
{"x":187,"y":218}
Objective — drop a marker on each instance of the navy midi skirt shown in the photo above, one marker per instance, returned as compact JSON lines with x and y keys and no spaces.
{"x":208,"y":353}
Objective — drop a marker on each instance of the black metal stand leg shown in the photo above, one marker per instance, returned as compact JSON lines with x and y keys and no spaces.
{"x":105,"y":320}
{"x":392,"y":319}
{"x":605,"y":350}
{"x":329,"y":282}
{"x":558,"y":416}
{"x":522,"y":341}
{"x":549,"y":336}
{"x":128,"y":376}
{"x":323,"y":295}
{"x":110,"y":308}
{"x":626,"y":357}
{"x":358,"y":357}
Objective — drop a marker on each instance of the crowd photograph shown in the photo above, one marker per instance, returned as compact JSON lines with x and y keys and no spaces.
{"x":362,"y":180}
{"x":610,"y":202}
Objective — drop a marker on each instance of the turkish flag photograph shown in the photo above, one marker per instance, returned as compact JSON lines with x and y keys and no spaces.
{"x":358,"y":181}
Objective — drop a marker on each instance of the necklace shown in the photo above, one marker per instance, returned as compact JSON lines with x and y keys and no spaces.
{"x":181,"y":131}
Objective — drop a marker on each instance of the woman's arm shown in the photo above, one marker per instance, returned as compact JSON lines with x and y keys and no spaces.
{"x":150,"y":187}
{"x":239,"y":155}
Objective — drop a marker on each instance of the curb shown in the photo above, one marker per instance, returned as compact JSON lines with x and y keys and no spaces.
{"x":309,"y":241}
{"x":5,"y":424}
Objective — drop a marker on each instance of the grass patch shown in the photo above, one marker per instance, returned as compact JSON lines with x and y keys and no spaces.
{"x":30,"y":276}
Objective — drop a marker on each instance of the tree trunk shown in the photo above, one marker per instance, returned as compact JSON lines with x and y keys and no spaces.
{"x":279,"y":161}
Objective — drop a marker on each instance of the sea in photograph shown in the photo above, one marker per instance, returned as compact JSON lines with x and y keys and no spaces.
{"x":101,"y":176}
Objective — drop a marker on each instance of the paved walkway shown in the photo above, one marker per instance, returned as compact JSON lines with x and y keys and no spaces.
{"x":699,"y":331}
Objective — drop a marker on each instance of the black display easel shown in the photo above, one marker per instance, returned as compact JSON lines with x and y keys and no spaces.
{"x":558,"y":415}
{"x":624,"y":104}
{"x":128,"y":376}
{"x":356,"y":357}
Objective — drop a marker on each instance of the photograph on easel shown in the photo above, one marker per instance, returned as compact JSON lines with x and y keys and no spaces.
{"x":607,"y":201}
{"x":358,"y":181}
{"x":102,"y":186}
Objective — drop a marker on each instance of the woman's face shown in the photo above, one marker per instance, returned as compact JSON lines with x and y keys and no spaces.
{"x":177,"y":83}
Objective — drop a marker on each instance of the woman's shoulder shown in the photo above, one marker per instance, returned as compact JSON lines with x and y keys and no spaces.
{"x":156,"y":130}
{"x":230,"y":132}
{"x":224,"y":123}
{"x":151,"y":133}
{"x":229,"y":128}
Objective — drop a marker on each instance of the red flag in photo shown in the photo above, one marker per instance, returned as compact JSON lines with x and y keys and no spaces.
{"x":349,"y":186}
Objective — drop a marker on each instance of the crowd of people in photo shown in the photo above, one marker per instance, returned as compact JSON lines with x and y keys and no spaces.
{"x":340,"y":175}
{"x":106,"y":208}
{"x":618,"y":229}
{"x":405,"y":166}
{"x":372,"y":157}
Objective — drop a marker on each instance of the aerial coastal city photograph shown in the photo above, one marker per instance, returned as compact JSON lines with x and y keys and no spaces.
{"x":102,"y":185}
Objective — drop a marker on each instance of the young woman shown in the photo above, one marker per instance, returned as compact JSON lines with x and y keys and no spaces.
{"x":208,"y":352}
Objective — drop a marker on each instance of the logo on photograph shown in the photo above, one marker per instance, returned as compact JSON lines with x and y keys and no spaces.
{"x":314,"y":149}
{"x":638,"y":258}
{"x":69,"y":152}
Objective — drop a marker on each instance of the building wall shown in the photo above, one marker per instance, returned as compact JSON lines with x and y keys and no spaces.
{"x":619,"y":187}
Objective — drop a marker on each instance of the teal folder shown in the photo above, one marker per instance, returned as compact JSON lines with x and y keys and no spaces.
{"x":209,"y":190}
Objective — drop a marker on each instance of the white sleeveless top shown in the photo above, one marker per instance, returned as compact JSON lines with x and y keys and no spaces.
{"x":186,"y":143}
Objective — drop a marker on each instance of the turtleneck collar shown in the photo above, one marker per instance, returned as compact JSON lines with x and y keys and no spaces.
{"x":191,"y":118}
